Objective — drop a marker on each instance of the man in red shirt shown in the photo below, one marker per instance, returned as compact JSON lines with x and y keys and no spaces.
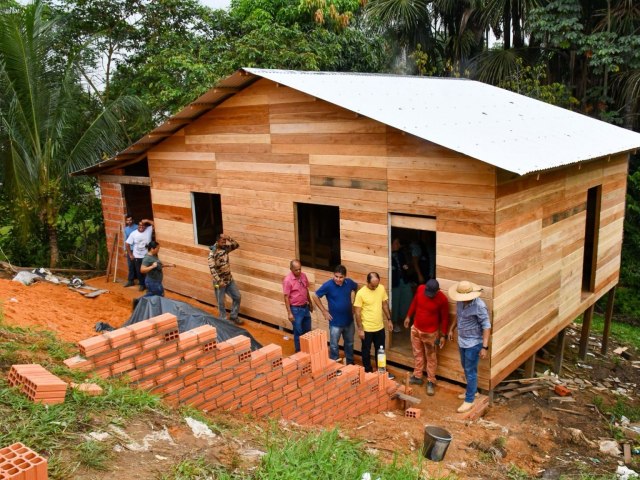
{"x":430,"y":312}
{"x":297,"y":300}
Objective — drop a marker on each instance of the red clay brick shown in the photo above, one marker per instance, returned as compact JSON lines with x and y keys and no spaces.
{"x":171,"y":362}
{"x":166,"y":320}
{"x":119,"y":337}
{"x":230,"y":384}
{"x":79,"y":363}
{"x":194,"y":377}
{"x":122,"y":366}
{"x":167,"y":350}
{"x":211,"y":370}
{"x":224,"y":376}
{"x":93,"y":345}
{"x":143,"y":329}
{"x":240,"y":343}
{"x":212,"y":393}
{"x":152,"y":343}
{"x":205,"y":333}
{"x":130,"y":350}
{"x":186,"y":368}
{"x":91,"y":389}
{"x":193,"y":353}
{"x":187,"y":340}
{"x":106,"y":359}
{"x":165,"y":377}
{"x":152,"y":369}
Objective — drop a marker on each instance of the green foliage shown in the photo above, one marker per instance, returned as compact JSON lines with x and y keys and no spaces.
{"x":529,"y":81}
{"x":325,"y":455}
{"x":94,"y":455}
{"x":625,"y":333}
{"x":558,"y":23}
{"x":194,"y":468}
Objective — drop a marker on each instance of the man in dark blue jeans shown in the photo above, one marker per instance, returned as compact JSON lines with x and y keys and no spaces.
{"x":474,"y":328}
{"x":297,"y":300}
{"x":129,"y":228}
{"x":339,"y":292}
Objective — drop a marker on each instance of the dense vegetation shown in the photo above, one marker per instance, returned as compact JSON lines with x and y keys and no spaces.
{"x":94,"y":75}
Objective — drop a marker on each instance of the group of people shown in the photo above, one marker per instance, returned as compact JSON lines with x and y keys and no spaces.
{"x":350,"y":309}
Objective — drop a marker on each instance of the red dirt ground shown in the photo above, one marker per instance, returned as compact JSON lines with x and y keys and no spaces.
{"x":531,"y":433}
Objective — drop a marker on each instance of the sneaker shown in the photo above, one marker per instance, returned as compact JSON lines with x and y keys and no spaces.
{"x":415,"y":380}
{"x":463,"y":395}
{"x":237,"y":321}
{"x":391,"y":376}
{"x":396,"y":329}
{"x":431,"y":389}
{"x":465,"y":407}
{"x":129,"y":284}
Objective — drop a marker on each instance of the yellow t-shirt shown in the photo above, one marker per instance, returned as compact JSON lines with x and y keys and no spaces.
{"x":371,"y":303}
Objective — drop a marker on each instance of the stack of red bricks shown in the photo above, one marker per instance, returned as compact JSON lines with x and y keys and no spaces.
{"x":18,"y":462}
{"x":38,"y":383}
{"x":192,"y":368}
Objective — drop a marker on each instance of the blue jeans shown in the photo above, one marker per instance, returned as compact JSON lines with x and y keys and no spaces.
{"x":469,"y":357}
{"x":334,"y":338}
{"x":153,"y":288}
{"x":232,"y":290}
{"x":301,"y":324}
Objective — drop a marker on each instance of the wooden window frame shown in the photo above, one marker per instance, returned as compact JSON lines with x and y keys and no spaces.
{"x":213,"y":212}
{"x":308,"y":219}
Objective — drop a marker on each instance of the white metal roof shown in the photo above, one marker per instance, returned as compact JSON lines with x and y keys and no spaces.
{"x":496,"y":126}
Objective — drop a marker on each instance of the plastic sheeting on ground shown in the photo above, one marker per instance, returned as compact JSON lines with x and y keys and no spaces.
{"x":188,"y":317}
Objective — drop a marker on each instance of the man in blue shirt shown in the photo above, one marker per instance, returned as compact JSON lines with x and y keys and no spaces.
{"x":129,"y":228}
{"x":339,"y":292}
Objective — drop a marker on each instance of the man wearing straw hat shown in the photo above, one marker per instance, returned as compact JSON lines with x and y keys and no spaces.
{"x":474,"y":327}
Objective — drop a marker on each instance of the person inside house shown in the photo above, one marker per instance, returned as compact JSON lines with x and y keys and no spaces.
{"x":339,"y":291}
{"x":223,"y":282}
{"x":152,"y":269}
{"x":371,"y":303}
{"x":401,"y":292}
{"x":137,"y":247}
{"x":297,"y":300}
{"x":129,"y":228}
{"x":474,"y":328}
{"x":430,"y":312}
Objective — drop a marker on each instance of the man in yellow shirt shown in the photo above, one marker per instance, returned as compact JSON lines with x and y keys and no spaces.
{"x":370,"y":304}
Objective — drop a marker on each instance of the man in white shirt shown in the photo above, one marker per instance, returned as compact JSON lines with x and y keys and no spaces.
{"x":137,"y":246}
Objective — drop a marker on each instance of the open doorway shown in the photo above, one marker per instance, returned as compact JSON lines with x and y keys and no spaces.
{"x":413,"y":261}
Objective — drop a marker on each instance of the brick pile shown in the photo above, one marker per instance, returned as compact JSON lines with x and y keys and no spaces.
{"x":193,"y":368}
{"x":18,"y":462}
{"x":38,"y":383}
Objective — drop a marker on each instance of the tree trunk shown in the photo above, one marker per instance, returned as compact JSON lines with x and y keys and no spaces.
{"x":516,"y":16}
{"x":506,"y":20}
{"x":54,"y":253}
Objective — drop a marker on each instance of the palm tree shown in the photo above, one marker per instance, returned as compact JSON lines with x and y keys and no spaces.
{"x":48,"y":126}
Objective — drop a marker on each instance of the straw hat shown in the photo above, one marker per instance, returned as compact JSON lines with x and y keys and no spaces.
{"x":464,"y":290}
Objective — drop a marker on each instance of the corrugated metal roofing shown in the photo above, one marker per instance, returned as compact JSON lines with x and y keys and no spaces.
{"x":499,"y":127}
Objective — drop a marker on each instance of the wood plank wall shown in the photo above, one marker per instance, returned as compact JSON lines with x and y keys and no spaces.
{"x":540,"y":230}
{"x":269,"y":146}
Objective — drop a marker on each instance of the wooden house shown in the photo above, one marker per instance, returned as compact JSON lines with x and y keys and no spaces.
{"x":521,"y":197}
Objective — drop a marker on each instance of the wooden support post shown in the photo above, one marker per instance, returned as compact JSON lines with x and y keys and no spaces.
{"x":607,"y":320}
{"x":530,"y":367}
{"x":557,"y":364}
{"x":586,"y":329}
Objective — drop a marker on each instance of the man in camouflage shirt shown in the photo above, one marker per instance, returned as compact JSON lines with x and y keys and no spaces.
{"x":223,"y":282}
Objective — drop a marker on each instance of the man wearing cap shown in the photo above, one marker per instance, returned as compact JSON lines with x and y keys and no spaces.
{"x":474,"y":327}
{"x":430,"y":312}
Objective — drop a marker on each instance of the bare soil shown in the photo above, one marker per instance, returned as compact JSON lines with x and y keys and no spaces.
{"x":525,"y":431}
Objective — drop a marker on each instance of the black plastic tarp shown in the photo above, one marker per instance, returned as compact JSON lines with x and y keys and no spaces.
{"x":188,"y":317}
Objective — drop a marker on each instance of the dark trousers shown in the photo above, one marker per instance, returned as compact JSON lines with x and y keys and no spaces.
{"x":131,"y":265}
{"x":141,"y":276}
{"x":377,"y":338}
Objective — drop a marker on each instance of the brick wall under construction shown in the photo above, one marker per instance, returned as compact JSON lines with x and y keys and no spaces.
{"x":193,"y":368}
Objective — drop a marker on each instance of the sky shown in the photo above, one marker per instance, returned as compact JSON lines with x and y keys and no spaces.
{"x":216,"y":3}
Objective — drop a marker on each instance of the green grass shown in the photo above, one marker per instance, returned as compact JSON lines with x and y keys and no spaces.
{"x":199,"y":468}
{"x":622,"y":332}
{"x":94,"y":455}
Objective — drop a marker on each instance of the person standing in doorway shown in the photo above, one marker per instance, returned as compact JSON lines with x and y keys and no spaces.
{"x":339,"y":292}
{"x":129,"y":228}
{"x":371,"y":303}
{"x":401,"y":293}
{"x":297,"y":300}
{"x":474,"y":327}
{"x":137,"y":246}
{"x":430,"y":312}
{"x":223,"y":282}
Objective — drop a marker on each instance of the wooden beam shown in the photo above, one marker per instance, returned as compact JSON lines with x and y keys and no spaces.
{"x":559,"y":357}
{"x":530,"y":367}
{"x":607,"y":320}
{"x":587,"y":316}
{"x":126,"y":179}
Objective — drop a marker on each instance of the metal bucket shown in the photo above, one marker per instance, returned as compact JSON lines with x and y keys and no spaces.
{"x":436,"y":442}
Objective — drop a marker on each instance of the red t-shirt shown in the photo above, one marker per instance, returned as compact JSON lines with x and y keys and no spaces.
{"x":429,"y":312}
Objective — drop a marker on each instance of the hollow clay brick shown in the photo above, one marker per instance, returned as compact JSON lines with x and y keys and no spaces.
{"x":143,"y":329}
{"x":119,"y":337}
{"x":79,"y":363}
{"x":93,"y":345}
{"x":167,"y":350}
{"x":187,"y":340}
{"x":166,"y":320}
{"x":205,"y":333}
{"x":91,"y":389}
